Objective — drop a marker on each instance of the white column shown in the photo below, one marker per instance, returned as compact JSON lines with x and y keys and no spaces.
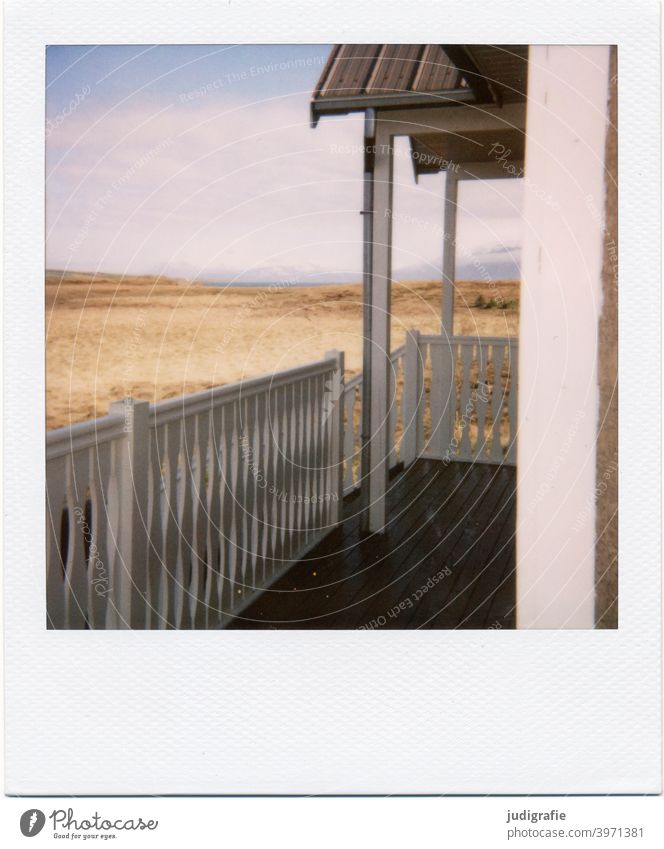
{"x":449,"y":252}
{"x":560,"y":306}
{"x":380,"y":330}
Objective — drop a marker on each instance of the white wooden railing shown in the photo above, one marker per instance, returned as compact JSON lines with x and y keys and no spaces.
{"x":176,"y":515}
{"x":464,"y":404}
{"x":452,"y":398}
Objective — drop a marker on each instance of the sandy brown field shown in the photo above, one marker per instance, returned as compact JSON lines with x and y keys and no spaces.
{"x":109,"y":337}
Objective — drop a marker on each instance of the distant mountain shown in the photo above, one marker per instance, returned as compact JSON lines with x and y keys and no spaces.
{"x":283,"y":275}
{"x":500,"y":263}
{"x":496,"y":264}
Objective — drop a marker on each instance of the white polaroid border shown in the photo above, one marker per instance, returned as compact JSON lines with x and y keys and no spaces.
{"x":535,"y":712}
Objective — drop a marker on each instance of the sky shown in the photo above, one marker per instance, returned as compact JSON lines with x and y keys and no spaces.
{"x":200,"y":162}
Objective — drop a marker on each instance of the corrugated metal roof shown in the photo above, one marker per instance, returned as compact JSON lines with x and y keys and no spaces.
{"x":357,"y":76}
{"x":364,"y":69}
{"x":436,"y":72}
{"x":347,"y":69}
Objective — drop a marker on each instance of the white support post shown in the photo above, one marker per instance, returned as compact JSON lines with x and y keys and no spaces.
{"x":336,"y":458}
{"x":130,"y":580}
{"x":379,"y":446}
{"x":412,"y":399}
{"x":449,"y":253}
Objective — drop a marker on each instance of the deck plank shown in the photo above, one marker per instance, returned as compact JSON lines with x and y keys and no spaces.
{"x":328,"y":582}
{"x":480,"y":568}
{"x":458,"y":517}
{"x":475,"y":563}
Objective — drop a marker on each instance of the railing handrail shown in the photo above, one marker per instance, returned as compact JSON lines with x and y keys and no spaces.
{"x":165,"y":411}
{"x":81,"y":435}
{"x":470,"y":340}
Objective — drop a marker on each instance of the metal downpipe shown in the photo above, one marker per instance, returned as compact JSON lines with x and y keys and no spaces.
{"x":367,"y":302}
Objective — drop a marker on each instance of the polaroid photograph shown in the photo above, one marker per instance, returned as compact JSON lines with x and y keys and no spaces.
{"x":319,"y":425}
{"x":331,"y":404}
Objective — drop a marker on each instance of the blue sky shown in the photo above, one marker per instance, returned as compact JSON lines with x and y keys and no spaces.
{"x":199,"y":162}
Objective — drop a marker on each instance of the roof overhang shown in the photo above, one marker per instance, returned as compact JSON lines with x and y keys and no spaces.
{"x":370,"y":75}
{"x":345,"y":105}
{"x":466,"y":102}
{"x":437,"y":151}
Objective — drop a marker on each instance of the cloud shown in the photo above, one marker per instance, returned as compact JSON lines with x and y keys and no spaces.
{"x":219,"y":187}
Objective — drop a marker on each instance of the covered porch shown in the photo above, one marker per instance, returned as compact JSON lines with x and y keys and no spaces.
{"x":427,"y":538}
{"x":463,"y":112}
{"x":309,"y":498}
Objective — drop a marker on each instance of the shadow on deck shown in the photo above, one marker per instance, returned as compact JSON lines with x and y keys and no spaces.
{"x":447,"y":560}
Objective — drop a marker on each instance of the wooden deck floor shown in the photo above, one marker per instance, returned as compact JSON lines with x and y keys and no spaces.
{"x":445,"y":561}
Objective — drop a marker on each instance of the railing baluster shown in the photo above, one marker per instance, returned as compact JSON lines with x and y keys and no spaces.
{"x":171,"y":521}
{"x":239,"y":488}
{"x":304,"y":464}
{"x":250,"y":470}
{"x":349,"y":436}
{"x":112,"y":554}
{"x":229,"y":451}
{"x":298,"y":413}
{"x":261,"y":475}
{"x":413,"y":437}
{"x":323,"y":409}
{"x":316,"y":397}
{"x":164,"y":475}
{"x":209,"y":502}
{"x":98,"y":569}
{"x":272,"y":443}
{"x":214,"y":541}
{"x":200,"y":583}
{"x":287,"y":504}
{"x":276,"y":497}
{"x":77,"y":476}
{"x":466,"y":405}
{"x":319,"y":397}
{"x":512,"y":405}
{"x":55,"y":560}
{"x":497,"y":398}
{"x":437,"y":400}
{"x":334,"y":455}
{"x":482,"y":398}
{"x":184,"y":519}
{"x":157,"y":581}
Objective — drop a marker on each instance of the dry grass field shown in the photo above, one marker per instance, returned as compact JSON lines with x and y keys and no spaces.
{"x":108,"y":337}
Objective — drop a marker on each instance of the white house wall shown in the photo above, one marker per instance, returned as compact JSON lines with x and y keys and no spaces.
{"x":560,"y":307}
